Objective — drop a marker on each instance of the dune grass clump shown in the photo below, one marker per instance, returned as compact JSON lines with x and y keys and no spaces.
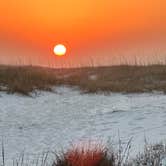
{"x":24,"y":80}
{"x":153,"y":155}
{"x":85,"y":156}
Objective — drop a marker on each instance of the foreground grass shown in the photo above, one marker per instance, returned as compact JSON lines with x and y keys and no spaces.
{"x":98,"y":155}
{"x":153,"y":155}
{"x":127,"y":79}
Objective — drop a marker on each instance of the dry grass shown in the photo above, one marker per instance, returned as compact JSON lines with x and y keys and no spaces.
{"x":26,"y":79}
{"x":127,"y":79}
{"x":153,"y":155}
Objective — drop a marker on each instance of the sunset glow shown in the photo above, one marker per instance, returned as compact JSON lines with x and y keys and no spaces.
{"x":103,"y":30}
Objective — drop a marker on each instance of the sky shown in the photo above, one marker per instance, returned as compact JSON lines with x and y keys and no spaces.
{"x":95,"y":32}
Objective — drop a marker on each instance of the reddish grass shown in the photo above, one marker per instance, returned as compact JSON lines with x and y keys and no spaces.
{"x":91,"y":155}
{"x":85,"y":157}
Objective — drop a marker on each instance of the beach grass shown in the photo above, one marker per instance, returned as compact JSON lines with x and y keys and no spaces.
{"x":153,"y":155}
{"x":123,"y":78}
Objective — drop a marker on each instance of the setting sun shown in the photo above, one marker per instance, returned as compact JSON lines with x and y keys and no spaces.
{"x":60,"y":50}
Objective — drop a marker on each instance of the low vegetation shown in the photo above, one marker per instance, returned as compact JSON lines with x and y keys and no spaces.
{"x":26,"y":79}
{"x":124,"y":78}
{"x":83,"y":156}
{"x":153,"y":155}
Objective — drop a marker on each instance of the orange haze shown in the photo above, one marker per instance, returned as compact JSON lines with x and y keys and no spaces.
{"x":91,"y":29}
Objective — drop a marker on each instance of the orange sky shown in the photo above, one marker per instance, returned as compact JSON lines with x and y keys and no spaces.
{"x":30,"y":28}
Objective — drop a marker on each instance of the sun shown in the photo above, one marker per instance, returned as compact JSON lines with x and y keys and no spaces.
{"x":59,"y":50}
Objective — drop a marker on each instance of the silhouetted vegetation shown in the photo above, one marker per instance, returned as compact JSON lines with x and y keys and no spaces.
{"x":124,"y":78}
{"x":26,"y":79}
